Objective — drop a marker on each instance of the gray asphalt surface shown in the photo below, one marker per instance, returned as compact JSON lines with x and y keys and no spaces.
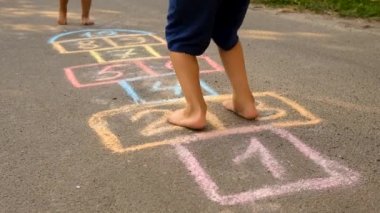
{"x":58,"y":151}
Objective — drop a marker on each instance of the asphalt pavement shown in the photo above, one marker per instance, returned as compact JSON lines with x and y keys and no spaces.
{"x":82,"y":115}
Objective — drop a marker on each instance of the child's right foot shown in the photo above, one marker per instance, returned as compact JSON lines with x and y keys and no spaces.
{"x":246,"y":110}
{"x":182,"y":117}
{"x":87,"y":21}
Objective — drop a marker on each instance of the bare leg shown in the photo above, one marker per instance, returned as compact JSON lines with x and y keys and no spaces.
{"x":62,"y":17}
{"x":193,"y":116}
{"x":242,"y":103}
{"x":86,"y":6}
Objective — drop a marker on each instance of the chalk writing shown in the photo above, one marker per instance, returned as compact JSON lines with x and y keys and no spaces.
{"x":157,"y":86}
{"x":256,"y":148}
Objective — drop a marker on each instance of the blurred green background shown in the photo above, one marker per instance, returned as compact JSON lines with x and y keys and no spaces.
{"x":346,"y":8}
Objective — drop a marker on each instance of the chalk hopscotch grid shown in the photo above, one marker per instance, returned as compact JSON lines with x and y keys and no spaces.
{"x":338,"y":174}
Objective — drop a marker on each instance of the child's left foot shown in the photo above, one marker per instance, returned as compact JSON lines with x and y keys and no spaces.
{"x":87,"y":21}
{"x":62,"y":20}
{"x":246,"y":110}
{"x":182,"y":117}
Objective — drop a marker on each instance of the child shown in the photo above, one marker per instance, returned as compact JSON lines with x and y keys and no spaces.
{"x":86,"y":5}
{"x":191,"y":26}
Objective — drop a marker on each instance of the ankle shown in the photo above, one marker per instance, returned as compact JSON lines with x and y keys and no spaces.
{"x":243,"y":98}
{"x":197,"y":110}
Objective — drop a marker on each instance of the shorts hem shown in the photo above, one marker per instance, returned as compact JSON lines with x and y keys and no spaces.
{"x":189,"y":51}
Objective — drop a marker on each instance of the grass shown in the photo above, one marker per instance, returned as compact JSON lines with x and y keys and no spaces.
{"x":346,"y":8}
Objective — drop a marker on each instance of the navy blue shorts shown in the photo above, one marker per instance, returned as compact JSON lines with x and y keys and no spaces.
{"x":193,"y":23}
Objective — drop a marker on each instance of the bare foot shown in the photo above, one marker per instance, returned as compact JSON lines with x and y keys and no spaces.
{"x":195,"y":121}
{"x":87,"y":21}
{"x":62,"y":19}
{"x":246,"y":110}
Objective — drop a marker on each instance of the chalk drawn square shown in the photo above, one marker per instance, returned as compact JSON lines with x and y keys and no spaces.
{"x":273,"y":108}
{"x":336,"y":174}
{"x":114,"y":126}
{"x":102,"y":74}
{"x":135,"y":40}
{"x":92,"y":75}
{"x":129,"y":70}
{"x":125,"y":53}
{"x":82,"y":45}
{"x":95,"y":33}
{"x":138,"y":127}
{"x":159,"y":90}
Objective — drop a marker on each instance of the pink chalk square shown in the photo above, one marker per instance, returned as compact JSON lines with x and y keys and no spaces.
{"x":101,"y":74}
{"x":334,"y":174}
{"x":129,"y":70}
